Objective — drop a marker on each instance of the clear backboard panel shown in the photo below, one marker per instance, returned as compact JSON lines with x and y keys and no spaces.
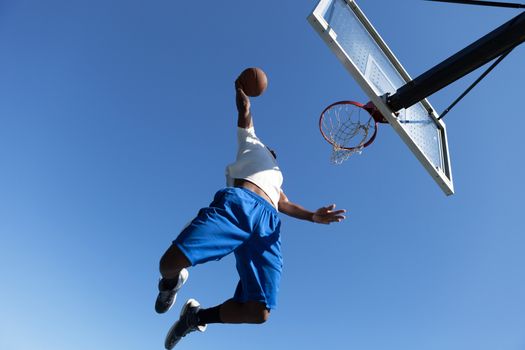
{"x":356,"y":43}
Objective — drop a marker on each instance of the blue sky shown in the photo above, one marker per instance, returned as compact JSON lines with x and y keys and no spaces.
{"x":117,"y":119}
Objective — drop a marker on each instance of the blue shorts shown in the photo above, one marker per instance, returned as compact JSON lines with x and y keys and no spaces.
{"x":241,"y":222}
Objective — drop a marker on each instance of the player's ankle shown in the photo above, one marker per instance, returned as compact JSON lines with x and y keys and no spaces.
{"x":211,"y":315}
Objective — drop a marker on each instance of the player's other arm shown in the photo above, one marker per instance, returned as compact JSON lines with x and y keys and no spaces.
{"x":324,"y":215}
{"x":244,"y":116}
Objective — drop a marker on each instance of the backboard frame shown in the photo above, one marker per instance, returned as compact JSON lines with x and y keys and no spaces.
{"x":442,"y":173}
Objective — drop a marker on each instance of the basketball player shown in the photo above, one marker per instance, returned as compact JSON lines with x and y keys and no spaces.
{"x":242,"y":219}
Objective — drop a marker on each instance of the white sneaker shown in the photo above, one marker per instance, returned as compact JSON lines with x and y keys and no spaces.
{"x":187,"y":323}
{"x":167,"y":297}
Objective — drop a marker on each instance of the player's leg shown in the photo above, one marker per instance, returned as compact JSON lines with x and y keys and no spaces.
{"x":259,"y":265}
{"x":233,"y":311}
{"x":257,"y":250}
{"x":174,"y":274}
{"x":194,"y":318}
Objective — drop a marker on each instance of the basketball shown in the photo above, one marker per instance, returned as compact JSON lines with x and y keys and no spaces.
{"x":253,"y":81}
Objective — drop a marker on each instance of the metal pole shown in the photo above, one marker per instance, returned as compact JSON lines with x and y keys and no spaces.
{"x":482,"y":76}
{"x":492,"y":45}
{"x":484,"y":3}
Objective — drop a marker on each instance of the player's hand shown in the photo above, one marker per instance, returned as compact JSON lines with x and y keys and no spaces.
{"x":327,"y":215}
{"x":242,"y":100}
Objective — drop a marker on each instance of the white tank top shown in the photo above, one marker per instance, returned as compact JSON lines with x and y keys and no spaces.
{"x":256,"y":164}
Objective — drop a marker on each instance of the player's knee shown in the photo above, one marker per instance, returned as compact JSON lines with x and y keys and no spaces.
{"x":165,"y":263}
{"x":263,"y":316}
{"x":172,"y":261}
{"x":168,"y":264}
{"x":260,"y":314}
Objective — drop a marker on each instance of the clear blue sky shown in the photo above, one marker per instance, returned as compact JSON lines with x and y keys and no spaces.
{"x":117,"y":119}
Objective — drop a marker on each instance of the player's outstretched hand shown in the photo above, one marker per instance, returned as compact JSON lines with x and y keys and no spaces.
{"x":327,"y":215}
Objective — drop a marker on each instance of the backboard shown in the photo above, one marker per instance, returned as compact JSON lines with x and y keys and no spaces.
{"x":351,"y":36}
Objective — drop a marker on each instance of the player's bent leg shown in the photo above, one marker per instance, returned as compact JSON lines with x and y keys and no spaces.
{"x":174,"y":274}
{"x":194,"y":318}
{"x":249,"y":312}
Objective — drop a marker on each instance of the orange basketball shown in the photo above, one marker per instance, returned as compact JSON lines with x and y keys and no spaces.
{"x":253,"y":81}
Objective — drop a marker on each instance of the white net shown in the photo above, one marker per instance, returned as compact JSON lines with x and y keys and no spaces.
{"x":340,"y":155}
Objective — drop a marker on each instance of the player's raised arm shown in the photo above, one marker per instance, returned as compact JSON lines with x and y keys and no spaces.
{"x":251,"y":82}
{"x":244,"y":116}
{"x":324,"y":215}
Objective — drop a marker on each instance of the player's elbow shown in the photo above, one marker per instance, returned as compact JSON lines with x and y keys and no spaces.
{"x":284,"y":206}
